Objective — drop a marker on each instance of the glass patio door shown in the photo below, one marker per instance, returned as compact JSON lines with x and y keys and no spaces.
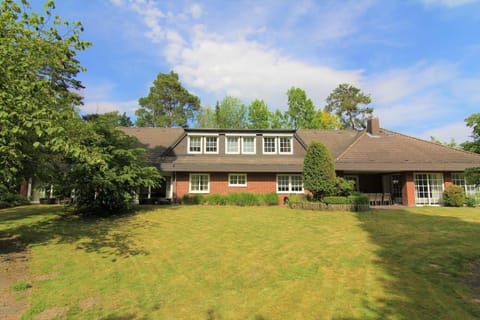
{"x":428,"y":188}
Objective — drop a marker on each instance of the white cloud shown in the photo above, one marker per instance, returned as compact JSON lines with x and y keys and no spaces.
{"x":195,"y":11}
{"x":250,"y":70}
{"x":457,"y":131}
{"x":448,"y":3}
{"x":396,"y":84}
{"x":108,"y":106}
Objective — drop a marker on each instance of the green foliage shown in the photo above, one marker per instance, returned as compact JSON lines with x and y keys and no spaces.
{"x":217,"y":199}
{"x":473,"y":121}
{"x":358,"y":199}
{"x":231,"y":113}
{"x":470,"y":201}
{"x":472,"y":176}
{"x":301,"y":111}
{"x":270,"y":199}
{"x":454,"y":196}
{"x":345,"y":102}
{"x":336,"y":200}
{"x":318,"y":170}
{"x":278,"y":120}
{"x":343,"y":187}
{"x":107,"y":187}
{"x":325,"y":120}
{"x":38,"y":88}
{"x":10,"y":199}
{"x":168,"y":104}
{"x":297,"y":198}
{"x":193,"y":199}
{"x":238,"y":199}
{"x":243,"y":199}
{"x":21,"y":285}
{"x":258,"y":115}
{"x":206,"y":118}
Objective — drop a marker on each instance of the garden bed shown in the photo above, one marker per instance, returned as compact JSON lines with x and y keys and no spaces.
{"x":320,"y":206}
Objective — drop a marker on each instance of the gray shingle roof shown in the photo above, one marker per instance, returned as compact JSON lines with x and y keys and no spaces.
{"x":352,"y":150}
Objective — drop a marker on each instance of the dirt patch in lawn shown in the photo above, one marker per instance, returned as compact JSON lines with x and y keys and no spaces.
{"x":14,"y":258}
{"x":52,"y":313}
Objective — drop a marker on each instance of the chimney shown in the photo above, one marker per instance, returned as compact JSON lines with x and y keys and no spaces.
{"x":373,"y":126}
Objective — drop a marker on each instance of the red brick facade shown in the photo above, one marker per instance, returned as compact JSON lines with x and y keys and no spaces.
{"x":256,"y":183}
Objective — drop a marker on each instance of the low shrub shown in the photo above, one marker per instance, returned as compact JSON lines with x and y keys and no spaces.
{"x":298,"y":198}
{"x":9,"y":199}
{"x":470,"y":201}
{"x":454,"y":196}
{"x":193,"y":199}
{"x":336,"y":200}
{"x":270,"y":199}
{"x":217,"y":199}
{"x":359,"y":198}
{"x":21,"y":285}
{"x":243,"y":199}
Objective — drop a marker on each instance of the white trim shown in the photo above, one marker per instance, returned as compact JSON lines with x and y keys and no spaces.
{"x":240,"y":134}
{"x":205,"y":145}
{"x":190,"y":183}
{"x":254,"y":145}
{"x":201,"y":134}
{"x":291,"y":145}
{"x":201,"y":145}
{"x":289,"y":191}
{"x":278,"y":134}
{"x":239,"y":144}
{"x":263,"y":144}
{"x":237,"y":185}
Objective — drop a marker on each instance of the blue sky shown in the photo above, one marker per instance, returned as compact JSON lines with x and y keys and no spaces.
{"x":418,"y":59}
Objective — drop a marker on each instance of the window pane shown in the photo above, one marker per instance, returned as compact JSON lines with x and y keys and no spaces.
{"x":199,"y":183}
{"x":237,"y":179}
{"x":269,"y":144}
{"x":285,"y":144}
{"x":248,"y":145}
{"x":282,"y":183}
{"x":210,"y":144}
{"x":233,"y":144}
{"x":195,"y":144}
{"x":296,"y":183}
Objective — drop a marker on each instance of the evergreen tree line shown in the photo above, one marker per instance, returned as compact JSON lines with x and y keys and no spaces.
{"x":169,"y":104}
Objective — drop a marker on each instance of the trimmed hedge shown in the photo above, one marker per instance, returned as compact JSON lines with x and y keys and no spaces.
{"x":236,"y":198}
{"x":352,"y":199}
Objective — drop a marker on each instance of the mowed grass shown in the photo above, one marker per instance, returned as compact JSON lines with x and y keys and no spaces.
{"x":207,"y":262}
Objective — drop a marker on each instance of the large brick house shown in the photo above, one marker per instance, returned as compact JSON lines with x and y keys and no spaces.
{"x":207,"y":161}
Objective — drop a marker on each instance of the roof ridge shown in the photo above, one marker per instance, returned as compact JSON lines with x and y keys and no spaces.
{"x":180,"y":138}
{"x":431,"y":142}
{"x":360,"y":134}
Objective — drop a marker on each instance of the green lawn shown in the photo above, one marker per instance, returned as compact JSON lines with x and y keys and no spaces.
{"x":204,"y":262}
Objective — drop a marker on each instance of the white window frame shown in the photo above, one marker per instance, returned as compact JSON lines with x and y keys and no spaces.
{"x":205,"y":144}
{"x":239,"y":144}
{"x":290,"y":139}
{"x":237,"y":175}
{"x":201,"y":144}
{"x":254,"y":145}
{"x":190,"y":183}
{"x":433,"y":191}
{"x":289,"y":191}
{"x":275,"y":144}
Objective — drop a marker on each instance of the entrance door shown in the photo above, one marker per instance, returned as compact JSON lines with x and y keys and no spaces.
{"x":428,"y":188}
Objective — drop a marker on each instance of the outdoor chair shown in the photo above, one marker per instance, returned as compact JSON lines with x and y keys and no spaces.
{"x":372,"y":197}
{"x":387,"y":199}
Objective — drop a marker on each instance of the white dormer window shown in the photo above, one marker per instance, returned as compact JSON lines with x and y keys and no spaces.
{"x":285,"y":145}
{"x":194,"y":144}
{"x":248,"y":145}
{"x":211,"y":144}
{"x":270,"y":145}
{"x":232,"y":145}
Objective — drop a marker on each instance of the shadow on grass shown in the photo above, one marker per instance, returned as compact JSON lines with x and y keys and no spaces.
{"x":427,"y":263}
{"x":107,"y":235}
